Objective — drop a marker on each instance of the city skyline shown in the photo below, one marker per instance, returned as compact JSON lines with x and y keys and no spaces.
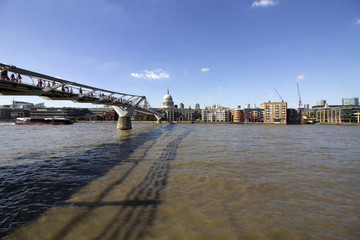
{"x":230,"y":53}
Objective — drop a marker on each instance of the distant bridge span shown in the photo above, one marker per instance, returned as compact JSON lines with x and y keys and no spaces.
{"x":20,"y":82}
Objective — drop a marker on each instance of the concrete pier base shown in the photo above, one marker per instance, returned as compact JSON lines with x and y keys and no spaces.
{"x":124,"y":123}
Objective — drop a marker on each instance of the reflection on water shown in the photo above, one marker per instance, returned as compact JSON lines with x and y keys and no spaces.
{"x":184,"y":182}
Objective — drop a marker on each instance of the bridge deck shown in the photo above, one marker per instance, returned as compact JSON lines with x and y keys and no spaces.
{"x":22,"y":89}
{"x":53,"y":88}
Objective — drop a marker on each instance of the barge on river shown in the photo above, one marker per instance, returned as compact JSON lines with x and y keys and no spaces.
{"x":43,"y":121}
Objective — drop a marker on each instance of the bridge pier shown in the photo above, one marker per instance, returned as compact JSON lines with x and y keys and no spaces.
{"x":124,"y":123}
{"x":158,"y":118}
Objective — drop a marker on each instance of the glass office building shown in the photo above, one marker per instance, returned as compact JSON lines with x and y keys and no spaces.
{"x":350,"y":101}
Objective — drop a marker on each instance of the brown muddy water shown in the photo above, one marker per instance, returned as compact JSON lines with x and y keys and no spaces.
{"x":89,"y":181}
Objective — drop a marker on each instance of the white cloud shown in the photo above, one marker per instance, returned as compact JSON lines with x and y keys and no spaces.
{"x":300,"y":77}
{"x":205,"y":69}
{"x":358,"y":21}
{"x":264,"y":3}
{"x":156,"y":74}
{"x":137,"y":75}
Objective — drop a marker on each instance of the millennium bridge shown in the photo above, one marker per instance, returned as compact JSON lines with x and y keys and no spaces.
{"x":27,"y":83}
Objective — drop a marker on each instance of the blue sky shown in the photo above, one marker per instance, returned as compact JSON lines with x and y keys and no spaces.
{"x":227,"y":52}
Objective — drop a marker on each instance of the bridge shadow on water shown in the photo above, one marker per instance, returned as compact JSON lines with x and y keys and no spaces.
{"x":142,"y":200}
{"x":27,"y":191}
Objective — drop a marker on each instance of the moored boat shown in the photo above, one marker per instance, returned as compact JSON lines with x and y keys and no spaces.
{"x":43,"y":121}
{"x":309,"y":121}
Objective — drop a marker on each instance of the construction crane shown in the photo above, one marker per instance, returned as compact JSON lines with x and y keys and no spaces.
{"x":278,"y":95}
{"x":300,"y":104}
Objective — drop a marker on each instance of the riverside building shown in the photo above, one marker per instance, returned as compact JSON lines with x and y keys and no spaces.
{"x":53,"y":112}
{"x":237,"y":115}
{"x":335,"y":114}
{"x":247,"y":115}
{"x":215,"y":114}
{"x":175,"y":114}
{"x":253,"y":115}
{"x":295,"y":116}
{"x":275,"y":112}
{"x":17,"y":109}
{"x":89,"y":114}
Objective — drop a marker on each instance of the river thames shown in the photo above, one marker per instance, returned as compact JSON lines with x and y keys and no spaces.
{"x":191,"y":181}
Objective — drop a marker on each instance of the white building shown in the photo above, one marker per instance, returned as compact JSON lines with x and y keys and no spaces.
{"x":217,"y":114}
